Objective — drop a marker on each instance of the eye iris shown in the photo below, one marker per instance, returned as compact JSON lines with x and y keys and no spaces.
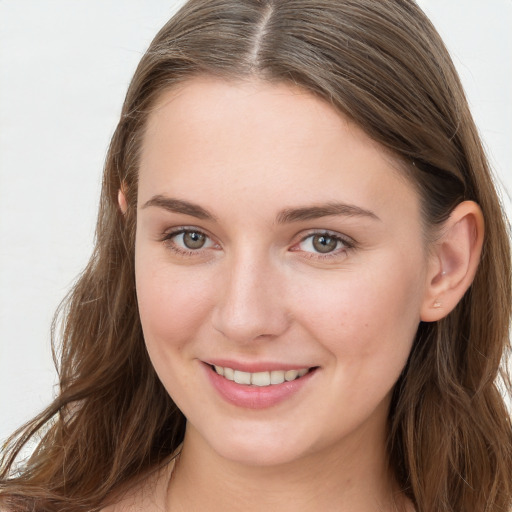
{"x":324,"y":243}
{"x":194,"y":240}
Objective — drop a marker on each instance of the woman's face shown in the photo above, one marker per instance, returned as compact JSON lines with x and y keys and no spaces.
{"x":278,"y":243}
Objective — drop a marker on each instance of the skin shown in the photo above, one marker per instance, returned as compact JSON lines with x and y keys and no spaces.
{"x":258,"y":291}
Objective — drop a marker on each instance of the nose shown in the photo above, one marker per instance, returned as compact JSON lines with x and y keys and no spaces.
{"x":251,"y":304}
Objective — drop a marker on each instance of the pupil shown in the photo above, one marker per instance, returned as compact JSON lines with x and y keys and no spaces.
{"x":324,"y":244}
{"x":193,"y":240}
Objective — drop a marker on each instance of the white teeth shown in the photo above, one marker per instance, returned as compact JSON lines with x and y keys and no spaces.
{"x":261,"y":379}
{"x":277,"y":377}
{"x":291,"y":375}
{"x":229,"y":373}
{"x":242,"y":377}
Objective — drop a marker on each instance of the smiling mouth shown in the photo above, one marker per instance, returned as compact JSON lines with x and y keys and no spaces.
{"x":261,"y":379}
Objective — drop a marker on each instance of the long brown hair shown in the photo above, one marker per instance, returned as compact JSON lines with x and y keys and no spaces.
{"x":382,"y":64}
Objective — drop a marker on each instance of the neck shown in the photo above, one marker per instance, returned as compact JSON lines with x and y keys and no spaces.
{"x":352,"y":476}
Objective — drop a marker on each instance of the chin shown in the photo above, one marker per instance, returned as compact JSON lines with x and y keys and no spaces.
{"x":258,"y":455}
{"x":251,"y":448}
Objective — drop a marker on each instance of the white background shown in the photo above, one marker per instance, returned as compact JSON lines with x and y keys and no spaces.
{"x":64,"y":68}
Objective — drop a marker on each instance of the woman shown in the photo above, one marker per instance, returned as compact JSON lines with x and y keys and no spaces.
{"x":300,"y":251}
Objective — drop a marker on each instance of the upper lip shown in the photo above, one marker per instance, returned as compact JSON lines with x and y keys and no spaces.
{"x":256,"y":366}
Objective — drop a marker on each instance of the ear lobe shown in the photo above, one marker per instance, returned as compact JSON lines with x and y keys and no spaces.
{"x":121,"y":200}
{"x":454,"y":262}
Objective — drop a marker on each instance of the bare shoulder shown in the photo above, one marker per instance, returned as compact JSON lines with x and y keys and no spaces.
{"x":148,"y":494}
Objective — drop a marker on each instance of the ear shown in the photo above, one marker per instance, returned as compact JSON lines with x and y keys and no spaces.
{"x":121,"y":199}
{"x":454,"y":261}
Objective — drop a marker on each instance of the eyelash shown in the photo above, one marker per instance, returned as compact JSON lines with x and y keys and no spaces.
{"x":168,"y":240}
{"x":347,"y":243}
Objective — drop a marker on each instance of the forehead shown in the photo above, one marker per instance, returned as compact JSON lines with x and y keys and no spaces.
{"x":274,"y":143}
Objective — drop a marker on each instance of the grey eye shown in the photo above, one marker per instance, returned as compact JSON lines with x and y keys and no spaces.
{"x":193,"y":239}
{"x":324,"y":243}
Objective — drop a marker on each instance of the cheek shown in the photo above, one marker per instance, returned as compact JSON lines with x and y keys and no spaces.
{"x":368,"y":316}
{"x":173,"y":302}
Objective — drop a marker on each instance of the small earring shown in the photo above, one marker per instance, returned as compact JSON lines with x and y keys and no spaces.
{"x":437,"y":305}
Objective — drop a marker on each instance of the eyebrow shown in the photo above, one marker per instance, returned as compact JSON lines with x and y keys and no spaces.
{"x":288,"y":215}
{"x":324,"y":210}
{"x":179,"y":206}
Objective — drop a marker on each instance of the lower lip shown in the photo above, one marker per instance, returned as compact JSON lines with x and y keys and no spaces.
{"x":255,"y":397}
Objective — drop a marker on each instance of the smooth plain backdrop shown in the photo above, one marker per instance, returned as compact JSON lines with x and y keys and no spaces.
{"x":64,"y":69}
